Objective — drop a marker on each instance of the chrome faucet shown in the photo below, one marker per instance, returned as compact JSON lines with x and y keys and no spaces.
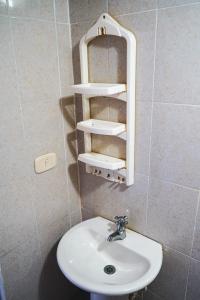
{"x":120,"y":233}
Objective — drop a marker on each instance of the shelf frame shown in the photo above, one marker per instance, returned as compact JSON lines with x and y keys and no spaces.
{"x":106,"y":25}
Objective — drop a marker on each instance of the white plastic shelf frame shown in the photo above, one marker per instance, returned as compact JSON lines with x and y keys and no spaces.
{"x":112,"y":168}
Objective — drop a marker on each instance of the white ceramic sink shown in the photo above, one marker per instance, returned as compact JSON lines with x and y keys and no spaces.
{"x":84,"y":251}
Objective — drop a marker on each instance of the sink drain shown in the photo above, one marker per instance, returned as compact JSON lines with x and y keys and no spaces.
{"x":109,"y":269}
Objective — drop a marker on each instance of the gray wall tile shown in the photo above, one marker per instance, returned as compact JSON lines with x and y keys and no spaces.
{"x":14,"y":172}
{"x":17,"y":222}
{"x":98,"y":71}
{"x":62,"y":11}
{"x":46,"y":134}
{"x":117,"y":7}
{"x":11,"y":126}
{"x":116,"y":200}
{"x":65,"y":57}
{"x":84,"y":10}
{"x":116,"y":59}
{"x":53,"y":185}
{"x":86,"y":214}
{"x":193,"y":289}
{"x":177,"y":55}
{"x":36,"y":9}
{"x":38,"y":72}
{"x":21,"y":270}
{"x":3,"y":8}
{"x":196,"y":243}
{"x":73,"y":186}
{"x":67,"y":107}
{"x":143,"y":26}
{"x":175,"y":144}
{"x":70,"y":139}
{"x":171,"y":3}
{"x":34,"y":207}
{"x":172,"y":279}
{"x":171,"y":214}
{"x":135,"y":202}
{"x":51,"y":234}
{"x":76,"y":218}
{"x":77,"y":31}
{"x":142,"y":139}
{"x":150,"y":296}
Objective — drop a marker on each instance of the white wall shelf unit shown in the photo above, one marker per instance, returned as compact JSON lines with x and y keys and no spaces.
{"x":114,"y":169}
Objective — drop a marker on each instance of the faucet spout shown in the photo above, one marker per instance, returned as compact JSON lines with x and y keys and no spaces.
{"x":120,"y":233}
{"x":115,"y":236}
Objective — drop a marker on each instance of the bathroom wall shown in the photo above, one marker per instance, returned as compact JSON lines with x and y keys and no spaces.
{"x":163,"y":202}
{"x":36,"y":117}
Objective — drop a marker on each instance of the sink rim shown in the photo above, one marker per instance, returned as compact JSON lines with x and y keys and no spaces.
{"x":118,"y":289}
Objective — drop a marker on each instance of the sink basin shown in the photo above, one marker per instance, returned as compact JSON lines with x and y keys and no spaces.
{"x":84,"y":252}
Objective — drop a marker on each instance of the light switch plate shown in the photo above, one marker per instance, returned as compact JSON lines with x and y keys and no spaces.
{"x":45,"y":162}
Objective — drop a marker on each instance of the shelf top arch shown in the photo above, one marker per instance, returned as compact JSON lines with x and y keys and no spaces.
{"x":106,"y":25}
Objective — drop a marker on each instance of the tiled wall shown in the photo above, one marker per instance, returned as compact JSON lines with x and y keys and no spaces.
{"x":36,"y":117}
{"x":163,"y":202}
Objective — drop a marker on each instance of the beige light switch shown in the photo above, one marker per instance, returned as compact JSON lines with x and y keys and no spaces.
{"x":45,"y":162}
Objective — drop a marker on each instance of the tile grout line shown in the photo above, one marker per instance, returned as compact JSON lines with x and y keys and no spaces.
{"x":62,"y":118}
{"x":176,"y":184}
{"x":24,"y":18}
{"x":195,"y":259}
{"x":177,"y":104}
{"x":151,"y":125}
{"x":187,"y":280}
{"x":83,"y":22}
{"x":165,"y":247}
{"x":135,"y":13}
{"x":170,"y":103}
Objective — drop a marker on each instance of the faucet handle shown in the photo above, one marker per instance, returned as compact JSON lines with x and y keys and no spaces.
{"x":122,"y":220}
